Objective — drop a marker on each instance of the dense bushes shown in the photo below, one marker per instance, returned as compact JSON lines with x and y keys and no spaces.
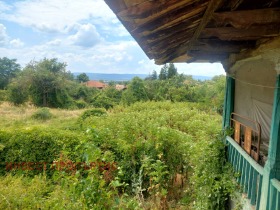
{"x":133,"y":158}
{"x":42,"y":114}
{"x":37,"y":145}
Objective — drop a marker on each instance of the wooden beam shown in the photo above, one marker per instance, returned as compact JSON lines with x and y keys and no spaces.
{"x":252,"y":33}
{"x":149,"y":10}
{"x":207,"y":56}
{"x":116,"y":5}
{"x":212,"y":6}
{"x":170,"y":19}
{"x":234,"y":4}
{"x":219,"y":46}
{"x":245,"y":18}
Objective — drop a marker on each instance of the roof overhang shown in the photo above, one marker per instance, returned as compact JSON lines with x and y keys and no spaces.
{"x":198,"y":30}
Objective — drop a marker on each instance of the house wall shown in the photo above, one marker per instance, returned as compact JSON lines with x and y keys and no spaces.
{"x":254,"y":89}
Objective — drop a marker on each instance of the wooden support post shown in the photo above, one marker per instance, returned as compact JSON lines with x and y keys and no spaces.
{"x":228,"y":102}
{"x":272,"y":166}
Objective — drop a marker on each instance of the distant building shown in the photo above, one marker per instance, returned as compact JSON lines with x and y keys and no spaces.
{"x":121,"y":87}
{"x":95,"y":84}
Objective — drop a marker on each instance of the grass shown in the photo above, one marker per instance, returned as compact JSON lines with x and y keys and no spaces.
{"x":21,"y":116}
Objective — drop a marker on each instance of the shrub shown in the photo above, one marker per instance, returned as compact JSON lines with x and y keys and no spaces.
{"x":93,"y":112}
{"x":81,"y":104}
{"x":3,"y":95}
{"x":42,"y":114}
{"x":17,"y":94}
{"x":37,"y":145}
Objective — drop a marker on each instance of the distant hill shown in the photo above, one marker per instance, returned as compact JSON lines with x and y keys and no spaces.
{"x":125,"y":77}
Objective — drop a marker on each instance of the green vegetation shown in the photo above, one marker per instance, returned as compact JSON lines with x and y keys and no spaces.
{"x":47,"y":83}
{"x":152,"y":155}
{"x":156,"y":145}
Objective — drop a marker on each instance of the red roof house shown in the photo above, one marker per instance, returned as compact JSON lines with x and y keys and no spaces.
{"x":95,"y":84}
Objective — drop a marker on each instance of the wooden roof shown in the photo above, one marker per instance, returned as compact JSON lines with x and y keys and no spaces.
{"x":198,"y":30}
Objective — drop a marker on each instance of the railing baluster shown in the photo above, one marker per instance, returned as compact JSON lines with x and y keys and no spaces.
{"x":278,"y":200}
{"x":259,"y":192}
{"x":250,"y":182}
{"x":243,"y":172}
{"x":246,"y":180}
{"x":254,"y":188}
{"x":251,"y":173}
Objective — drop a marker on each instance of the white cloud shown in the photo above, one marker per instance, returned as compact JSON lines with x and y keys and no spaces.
{"x":58,"y":16}
{"x":4,"y":7}
{"x":4,"y":38}
{"x":87,"y":36}
{"x":16,"y":43}
{"x":205,"y":69}
{"x":55,"y":42}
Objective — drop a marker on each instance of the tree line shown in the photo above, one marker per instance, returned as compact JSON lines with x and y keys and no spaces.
{"x":47,"y":83}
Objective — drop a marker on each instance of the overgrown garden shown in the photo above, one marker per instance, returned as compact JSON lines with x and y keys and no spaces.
{"x":156,"y":145}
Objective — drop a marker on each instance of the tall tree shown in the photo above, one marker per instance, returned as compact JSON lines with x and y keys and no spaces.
{"x":172,"y":71}
{"x":48,"y":81}
{"x":8,"y":70}
{"x":154,"y":75}
{"x":83,"y":77}
{"x":163,"y":72}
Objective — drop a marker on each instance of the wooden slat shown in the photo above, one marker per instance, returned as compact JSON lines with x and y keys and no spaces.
{"x":248,"y":140}
{"x":237,"y":132}
{"x":246,"y":18}
{"x":211,"y":7}
{"x":234,"y":4}
{"x":252,"y":33}
{"x":169,"y":20}
{"x":116,"y":5}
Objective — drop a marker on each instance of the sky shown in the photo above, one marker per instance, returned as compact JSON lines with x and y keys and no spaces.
{"x":84,"y":34}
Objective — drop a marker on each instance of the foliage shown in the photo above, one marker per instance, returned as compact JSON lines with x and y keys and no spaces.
{"x":172,"y":71}
{"x":136,"y":91}
{"x":163,"y":72}
{"x":37,"y":145}
{"x":135,"y":153}
{"x":42,"y":114}
{"x":3,"y":95}
{"x":83,"y":77}
{"x":16,"y":94}
{"x":8,"y":70}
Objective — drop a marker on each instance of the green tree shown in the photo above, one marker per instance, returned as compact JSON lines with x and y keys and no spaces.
{"x":154,"y":75}
{"x":163,"y":72}
{"x":17,"y":94}
{"x":8,"y":70}
{"x":171,"y":71}
{"x":49,"y":83}
{"x":136,"y":91}
{"x":82,"y":78}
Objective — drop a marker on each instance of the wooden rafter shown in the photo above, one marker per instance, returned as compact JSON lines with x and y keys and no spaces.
{"x":234,"y":4}
{"x":168,"y":20}
{"x":247,"y":18}
{"x":212,"y":6}
{"x":252,"y":33}
{"x":219,"y":46}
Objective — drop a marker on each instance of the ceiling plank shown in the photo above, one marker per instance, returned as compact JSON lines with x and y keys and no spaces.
{"x":116,"y":5}
{"x":219,"y":46}
{"x":234,"y":4}
{"x":252,"y":33}
{"x":151,"y":9}
{"x":247,"y":18}
{"x":211,"y":7}
{"x":170,"y":19}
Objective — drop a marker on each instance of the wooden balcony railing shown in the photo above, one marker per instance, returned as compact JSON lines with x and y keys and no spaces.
{"x":250,"y":172}
{"x":247,"y":133}
{"x":274,"y":194}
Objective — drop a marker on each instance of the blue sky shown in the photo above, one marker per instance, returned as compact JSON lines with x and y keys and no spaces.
{"x":85,"y":34}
